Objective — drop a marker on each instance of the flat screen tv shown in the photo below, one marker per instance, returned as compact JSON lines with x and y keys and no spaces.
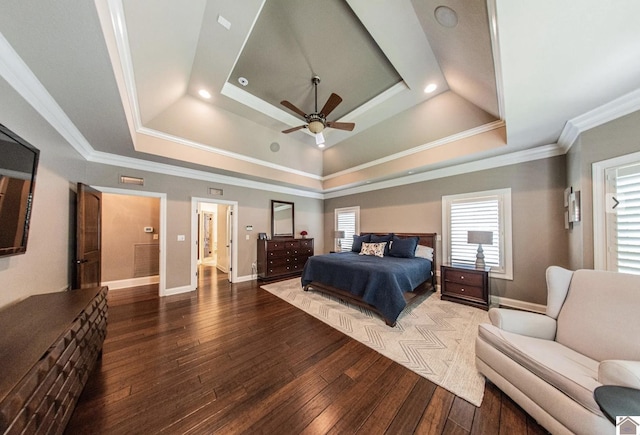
{"x":18,"y":164}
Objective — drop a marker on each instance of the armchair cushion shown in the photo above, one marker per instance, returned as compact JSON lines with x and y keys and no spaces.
{"x":523,"y":322}
{"x":619,"y":372}
{"x":568,"y":371}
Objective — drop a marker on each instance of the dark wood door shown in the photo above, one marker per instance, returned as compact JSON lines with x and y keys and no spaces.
{"x":88,"y":237}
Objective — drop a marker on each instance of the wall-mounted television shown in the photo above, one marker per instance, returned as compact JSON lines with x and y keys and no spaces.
{"x":18,"y":164}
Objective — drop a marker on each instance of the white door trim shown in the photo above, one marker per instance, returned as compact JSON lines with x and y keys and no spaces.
{"x":233,"y":276}
{"x":162,"y":285}
{"x":599,"y":170}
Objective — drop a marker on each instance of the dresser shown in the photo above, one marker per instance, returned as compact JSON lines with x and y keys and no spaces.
{"x":48,"y":347}
{"x":279,"y":258}
{"x":465,"y":284}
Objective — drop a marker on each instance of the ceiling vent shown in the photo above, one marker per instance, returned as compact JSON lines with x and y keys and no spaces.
{"x":125,"y":179}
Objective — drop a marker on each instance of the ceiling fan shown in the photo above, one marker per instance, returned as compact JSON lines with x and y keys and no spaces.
{"x":317,"y":121}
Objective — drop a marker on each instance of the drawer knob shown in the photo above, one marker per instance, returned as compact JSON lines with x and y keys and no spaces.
{"x":461,"y":276}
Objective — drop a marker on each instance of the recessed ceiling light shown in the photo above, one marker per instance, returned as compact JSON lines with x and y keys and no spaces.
{"x":275,"y":147}
{"x":224,"y":22}
{"x":446,"y":16}
{"x":430,"y":88}
{"x":204,"y":93}
{"x":243,"y":81}
{"x":321,"y":145}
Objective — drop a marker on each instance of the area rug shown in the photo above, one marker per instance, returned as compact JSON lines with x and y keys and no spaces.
{"x":433,"y":338}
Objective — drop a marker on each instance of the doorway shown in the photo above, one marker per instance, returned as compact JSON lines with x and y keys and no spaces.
{"x":147,"y":256}
{"x":214,"y":228}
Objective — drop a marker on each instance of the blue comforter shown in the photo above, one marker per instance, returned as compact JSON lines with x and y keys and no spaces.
{"x":379,"y":281}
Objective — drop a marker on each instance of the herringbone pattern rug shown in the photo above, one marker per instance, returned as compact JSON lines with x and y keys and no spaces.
{"x":434,"y":338}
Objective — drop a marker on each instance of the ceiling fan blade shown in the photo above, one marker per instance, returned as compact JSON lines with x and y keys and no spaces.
{"x":341,"y":125}
{"x":300,"y":127}
{"x":293,"y":108}
{"x":332,"y":103}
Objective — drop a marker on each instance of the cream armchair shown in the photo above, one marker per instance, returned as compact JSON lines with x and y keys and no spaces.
{"x":550,"y":363}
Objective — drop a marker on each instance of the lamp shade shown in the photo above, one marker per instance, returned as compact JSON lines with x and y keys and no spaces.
{"x":338,"y":234}
{"x":480,"y":237}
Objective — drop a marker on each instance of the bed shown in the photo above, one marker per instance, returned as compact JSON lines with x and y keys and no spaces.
{"x":385,"y":285}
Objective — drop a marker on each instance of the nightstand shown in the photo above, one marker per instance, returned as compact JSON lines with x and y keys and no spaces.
{"x":466,"y":284}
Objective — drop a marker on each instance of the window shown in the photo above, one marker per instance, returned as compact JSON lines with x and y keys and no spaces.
{"x":625,"y":222}
{"x":348,"y":220}
{"x":478,"y":211}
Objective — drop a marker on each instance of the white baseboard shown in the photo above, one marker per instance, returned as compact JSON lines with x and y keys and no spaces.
{"x":132,"y":282}
{"x":521,"y":305}
{"x":178,"y":290}
{"x":246,"y":278}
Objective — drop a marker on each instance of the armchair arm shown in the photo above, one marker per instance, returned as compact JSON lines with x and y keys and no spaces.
{"x":523,"y":323}
{"x":619,"y":372}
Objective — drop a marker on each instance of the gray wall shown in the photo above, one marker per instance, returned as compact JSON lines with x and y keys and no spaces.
{"x":539,"y":237}
{"x":613,"y":139}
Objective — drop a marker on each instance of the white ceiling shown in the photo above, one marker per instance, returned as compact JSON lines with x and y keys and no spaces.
{"x":510,"y":76}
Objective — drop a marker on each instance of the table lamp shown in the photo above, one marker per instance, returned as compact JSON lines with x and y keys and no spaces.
{"x":480,"y":238}
{"x":339,"y":234}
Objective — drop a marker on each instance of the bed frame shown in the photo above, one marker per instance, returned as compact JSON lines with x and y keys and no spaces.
{"x":410,"y":296}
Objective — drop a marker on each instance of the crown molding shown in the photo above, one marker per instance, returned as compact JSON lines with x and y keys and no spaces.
{"x":453,"y":138}
{"x":614,"y":109}
{"x":194,"y":174}
{"x":218,"y":151}
{"x":23,"y":80}
{"x":542,"y":152}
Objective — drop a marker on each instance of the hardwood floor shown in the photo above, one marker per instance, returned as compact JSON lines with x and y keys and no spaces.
{"x":237,"y":359}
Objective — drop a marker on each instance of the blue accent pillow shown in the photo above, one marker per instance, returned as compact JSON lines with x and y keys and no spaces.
{"x":357,"y":241}
{"x":379,"y":239}
{"x":404,"y":248}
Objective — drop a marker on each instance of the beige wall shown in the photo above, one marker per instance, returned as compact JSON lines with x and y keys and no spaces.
{"x":123,"y":220}
{"x":613,"y":139}
{"x":539,"y":237}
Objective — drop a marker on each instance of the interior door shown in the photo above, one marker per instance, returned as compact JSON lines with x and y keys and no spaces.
{"x":88,"y":237}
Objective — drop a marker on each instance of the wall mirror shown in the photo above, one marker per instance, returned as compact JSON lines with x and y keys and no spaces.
{"x":282,"y":219}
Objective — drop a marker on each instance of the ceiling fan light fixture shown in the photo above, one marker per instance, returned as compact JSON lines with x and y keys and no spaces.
{"x":315,"y":126}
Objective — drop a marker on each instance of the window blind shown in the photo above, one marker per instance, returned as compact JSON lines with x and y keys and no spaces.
{"x":346,"y":221}
{"x":628,"y":222}
{"x":475,"y":215}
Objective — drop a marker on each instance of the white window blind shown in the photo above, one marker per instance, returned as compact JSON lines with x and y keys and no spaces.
{"x":475,"y":215}
{"x":348,"y":220}
{"x":478,"y":211}
{"x":628,"y":221}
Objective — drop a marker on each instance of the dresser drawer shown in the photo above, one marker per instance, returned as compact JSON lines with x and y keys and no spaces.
{"x":468,"y":278}
{"x":453,"y":288}
{"x":292,"y":244}
{"x":273,"y":245}
{"x":304,"y":243}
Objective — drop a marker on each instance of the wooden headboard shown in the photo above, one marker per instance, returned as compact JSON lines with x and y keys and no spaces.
{"x":426,"y":239}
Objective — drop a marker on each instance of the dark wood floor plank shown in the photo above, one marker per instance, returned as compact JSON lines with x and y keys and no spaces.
{"x":487,"y":417}
{"x":233,"y":358}
{"x":388,"y":407}
{"x":413,"y":407}
{"x":435,"y":416}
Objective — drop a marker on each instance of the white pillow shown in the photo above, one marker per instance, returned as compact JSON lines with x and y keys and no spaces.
{"x":376,"y":249}
{"x":424,"y":252}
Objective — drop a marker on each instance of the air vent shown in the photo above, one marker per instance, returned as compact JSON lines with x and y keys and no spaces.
{"x":215,"y":192}
{"x":124,"y":179}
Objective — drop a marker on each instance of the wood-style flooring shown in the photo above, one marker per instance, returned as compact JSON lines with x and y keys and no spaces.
{"x":234,"y":359}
